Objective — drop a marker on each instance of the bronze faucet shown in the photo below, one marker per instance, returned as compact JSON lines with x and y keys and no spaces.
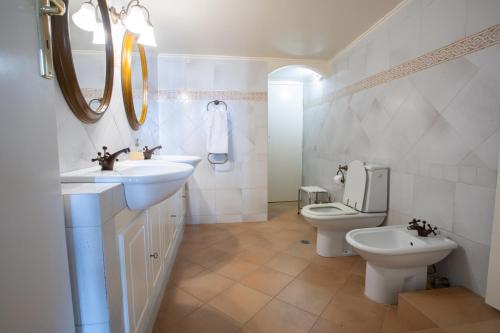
{"x":107,"y":160}
{"x":424,"y":229}
{"x":149,"y":152}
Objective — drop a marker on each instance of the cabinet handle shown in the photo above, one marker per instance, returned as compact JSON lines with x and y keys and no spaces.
{"x":173,"y":215}
{"x":154,"y":255}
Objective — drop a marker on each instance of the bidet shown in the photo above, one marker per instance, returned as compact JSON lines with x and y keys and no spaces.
{"x":396,"y":259}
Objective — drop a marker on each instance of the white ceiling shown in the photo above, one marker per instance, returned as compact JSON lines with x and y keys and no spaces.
{"x":301,"y":29}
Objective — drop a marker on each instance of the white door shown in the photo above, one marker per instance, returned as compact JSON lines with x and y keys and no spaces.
{"x":285,"y":140}
{"x":493,"y":287}
{"x":167,"y":227}
{"x":134,"y":256}
{"x":155,"y":232}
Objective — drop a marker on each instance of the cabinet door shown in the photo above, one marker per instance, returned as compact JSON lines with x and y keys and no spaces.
{"x":134,"y":256}
{"x":155,"y":233}
{"x":166,"y":219}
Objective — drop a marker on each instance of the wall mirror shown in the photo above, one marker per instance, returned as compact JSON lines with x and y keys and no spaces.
{"x":134,"y":80}
{"x":83,"y":58}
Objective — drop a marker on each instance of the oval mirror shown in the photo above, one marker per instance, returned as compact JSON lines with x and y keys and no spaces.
{"x":83,"y":57}
{"x":134,"y":80}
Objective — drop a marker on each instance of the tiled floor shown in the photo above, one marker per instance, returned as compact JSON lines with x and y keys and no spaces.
{"x":259,"y":278}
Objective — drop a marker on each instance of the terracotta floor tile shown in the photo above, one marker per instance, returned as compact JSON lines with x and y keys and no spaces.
{"x":176,"y":304}
{"x":240,"y":302}
{"x":184,"y":269}
{"x":287,"y":264}
{"x":186,"y":248}
{"x":257,"y":254}
{"x":356,"y":313}
{"x":344,"y":264}
{"x":234,"y":268}
{"x":392,"y":323}
{"x":489,"y":326}
{"x":359,"y":267}
{"x":205,"y":285}
{"x":245,"y":330}
{"x":280,"y":317}
{"x":325,"y":326}
{"x":273,"y":243}
{"x":205,"y":320}
{"x":306,"y":296}
{"x":325,"y":277}
{"x":267,"y":280}
{"x":233,"y":244}
{"x":208,"y":257}
{"x":354,"y":286}
{"x":305,"y":251}
{"x":293,"y":235}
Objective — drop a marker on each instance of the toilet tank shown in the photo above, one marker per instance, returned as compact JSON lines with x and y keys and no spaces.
{"x":366,"y":187}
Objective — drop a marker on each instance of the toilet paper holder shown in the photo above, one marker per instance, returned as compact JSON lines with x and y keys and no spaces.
{"x":340,"y":172}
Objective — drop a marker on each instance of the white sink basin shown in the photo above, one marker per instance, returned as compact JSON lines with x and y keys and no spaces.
{"x":193,"y":160}
{"x":145,"y":185}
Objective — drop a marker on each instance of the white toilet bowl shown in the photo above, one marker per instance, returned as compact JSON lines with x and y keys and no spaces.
{"x":333,"y":220}
{"x":396,"y":259}
{"x":363,"y":205}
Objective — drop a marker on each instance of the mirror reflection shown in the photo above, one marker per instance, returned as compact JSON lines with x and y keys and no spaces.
{"x":137,"y":81}
{"x":87,"y":40}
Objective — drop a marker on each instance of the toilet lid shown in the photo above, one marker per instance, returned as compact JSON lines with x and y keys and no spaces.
{"x":330,"y":209}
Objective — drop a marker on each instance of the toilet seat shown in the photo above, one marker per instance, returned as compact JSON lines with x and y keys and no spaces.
{"x":328,"y":209}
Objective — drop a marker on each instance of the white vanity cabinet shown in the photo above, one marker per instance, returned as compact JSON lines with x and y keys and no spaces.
{"x":120,"y":260}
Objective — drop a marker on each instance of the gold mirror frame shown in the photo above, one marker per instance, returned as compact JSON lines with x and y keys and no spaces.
{"x":129,"y":41}
{"x":65,"y":68}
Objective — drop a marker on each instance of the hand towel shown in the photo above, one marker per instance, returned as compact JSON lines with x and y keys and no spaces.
{"x":217,"y":131}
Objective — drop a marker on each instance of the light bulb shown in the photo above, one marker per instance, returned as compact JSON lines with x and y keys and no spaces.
{"x":135,"y":21}
{"x":85,"y":17}
{"x":147,"y":37}
{"x":99,"y":37}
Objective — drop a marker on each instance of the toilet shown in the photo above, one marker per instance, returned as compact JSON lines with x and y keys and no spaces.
{"x":364,"y":205}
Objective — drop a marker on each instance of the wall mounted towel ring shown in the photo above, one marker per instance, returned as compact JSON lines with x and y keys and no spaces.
{"x":216,"y":102}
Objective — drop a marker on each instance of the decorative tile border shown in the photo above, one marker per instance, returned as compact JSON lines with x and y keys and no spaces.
{"x":256,"y":96}
{"x":259,"y":96}
{"x":91,"y":93}
{"x":479,"y":41}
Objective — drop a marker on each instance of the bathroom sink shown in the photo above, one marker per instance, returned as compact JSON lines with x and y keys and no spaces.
{"x":189,"y":159}
{"x":145,"y":185}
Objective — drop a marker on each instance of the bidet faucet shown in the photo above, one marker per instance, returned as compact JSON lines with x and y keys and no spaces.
{"x":149,"y":152}
{"x":107,"y":160}
{"x":424,"y":229}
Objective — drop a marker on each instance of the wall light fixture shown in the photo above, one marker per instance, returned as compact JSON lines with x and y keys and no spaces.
{"x":134,"y":17}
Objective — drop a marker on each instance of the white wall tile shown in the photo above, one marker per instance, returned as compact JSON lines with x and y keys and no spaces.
{"x":228,"y":202}
{"x":443,"y":22}
{"x":401,"y":193}
{"x":474,"y":208}
{"x":474,"y":112}
{"x":434,"y":201}
{"x":481,"y":14}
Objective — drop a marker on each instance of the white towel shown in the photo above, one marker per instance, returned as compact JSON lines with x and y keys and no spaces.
{"x":217,"y":130}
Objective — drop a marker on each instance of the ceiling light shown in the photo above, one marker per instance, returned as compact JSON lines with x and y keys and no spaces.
{"x":85,"y":17}
{"x":134,"y":20}
{"x":147,"y":37}
{"x":99,"y":37}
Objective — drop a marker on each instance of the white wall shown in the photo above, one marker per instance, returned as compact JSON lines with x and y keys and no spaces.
{"x":438,"y":129}
{"x":34,"y":279}
{"x":285,"y":140}
{"x":236,"y":191}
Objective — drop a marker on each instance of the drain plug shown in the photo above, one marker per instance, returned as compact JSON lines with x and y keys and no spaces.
{"x":305,"y":241}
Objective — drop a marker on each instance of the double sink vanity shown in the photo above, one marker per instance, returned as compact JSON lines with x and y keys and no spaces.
{"x":123,"y":229}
